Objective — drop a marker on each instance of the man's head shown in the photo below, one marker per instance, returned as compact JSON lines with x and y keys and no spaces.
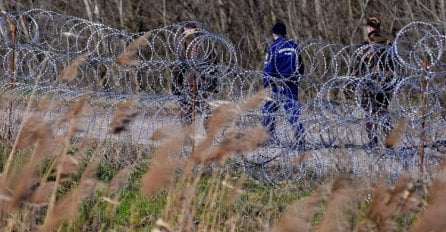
{"x":279,"y":29}
{"x":373,"y":23}
{"x":189,"y":28}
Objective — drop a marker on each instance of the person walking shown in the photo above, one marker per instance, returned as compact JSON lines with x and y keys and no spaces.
{"x":374,"y":62}
{"x":192,"y":81}
{"x":283,"y":67}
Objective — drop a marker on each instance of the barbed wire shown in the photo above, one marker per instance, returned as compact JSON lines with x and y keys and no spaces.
{"x":177,"y":78}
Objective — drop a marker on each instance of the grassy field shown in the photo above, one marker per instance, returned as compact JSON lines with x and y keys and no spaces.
{"x":59,"y":182}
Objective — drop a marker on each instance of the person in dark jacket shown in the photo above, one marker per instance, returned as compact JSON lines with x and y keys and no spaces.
{"x":375,"y":62}
{"x":192,"y":81}
{"x":282,"y":68}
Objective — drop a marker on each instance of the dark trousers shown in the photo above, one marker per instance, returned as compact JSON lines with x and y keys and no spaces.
{"x":193,"y":98}
{"x":288,"y":98}
{"x":376,"y":107}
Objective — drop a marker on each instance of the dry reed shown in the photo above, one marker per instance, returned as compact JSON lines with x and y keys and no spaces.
{"x":23,"y":181}
{"x":70,"y":72}
{"x":387,"y":203}
{"x":234,"y":141}
{"x":23,"y":187}
{"x":237,"y":141}
{"x":126,"y":58}
{"x":122,"y":117}
{"x":394,"y":137}
{"x":236,"y":190}
{"x":299,"y":215}
{"x":120,"y":179}
{"x":66,"y":207}
{"x":77,"y":110}
{"x":42,"y":194}
{"x":432,"y":217}
{"x":341,"y":206}
{"x":223,"y":115}
{"x":69,"y":165}
{"x":35,"y":130}
{"x":163,"y":164}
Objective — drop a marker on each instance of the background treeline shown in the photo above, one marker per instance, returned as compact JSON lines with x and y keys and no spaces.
{"x":332,"y":21}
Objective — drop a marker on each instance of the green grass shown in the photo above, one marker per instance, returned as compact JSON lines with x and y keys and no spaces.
{"x":139,"y":212}
{"x":258,"y":201}
{"x":258,"y":207}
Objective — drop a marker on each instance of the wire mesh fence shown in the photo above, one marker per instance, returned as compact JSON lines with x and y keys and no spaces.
{"x":358,"y":118}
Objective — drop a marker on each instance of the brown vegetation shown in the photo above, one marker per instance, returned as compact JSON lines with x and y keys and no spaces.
{"x":333,"y":21}
{"x":127,"y":57}
{"x":70,"y":72}
{"x":40,"y":161}
{"x":340,"y":205}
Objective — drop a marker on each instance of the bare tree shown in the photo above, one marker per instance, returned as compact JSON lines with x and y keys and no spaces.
{"x":336,"y":22}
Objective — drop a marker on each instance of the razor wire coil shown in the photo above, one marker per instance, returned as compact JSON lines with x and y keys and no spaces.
{"x":67,"y":57}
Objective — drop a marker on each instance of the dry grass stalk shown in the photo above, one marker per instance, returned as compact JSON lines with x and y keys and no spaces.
{"x":164,"y":226}
{"x":432,"y":218}
{"x":221,"y":116}
{"x":442,"y":166}
{"x":77,"y":109}
{"x":236,"y":142}
{"x":340,"y":207}
{"x":26,"y":110}
{"x":387,"y":203}
{"x":73,"y":115}
{"x":35,"y":130}
{"x":70,"y":72}
{"x":68,"y":164}
{"x":45,"y":105}
{"x":299,"y":216}
{"x":187,"y":206}
{"x":23,"y":186}
{"x":123,"y":116}
{"x":256,"y":100}
{"x":66,"y":208}
{"x":42,"y":194}
{"x":235,"y":191}
{"x":380,"y":212}
{"x":224,"y":114}
{"x":408,"y":194}
{"x":111,"y":201}
{"x":126,"y":58}
{"x":246,"y":141}
{"x":394,"y":137}
{"x":163,"y":164}
{"x":120,"y":179}
{"x":23,"y":181}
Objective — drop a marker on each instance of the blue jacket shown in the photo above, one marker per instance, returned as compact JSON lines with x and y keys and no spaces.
{"x":283,"y":60}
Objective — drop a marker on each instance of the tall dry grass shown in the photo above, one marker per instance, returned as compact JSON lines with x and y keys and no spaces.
{"x":35,"y":183}
{"x":32,"y":199}
{"x":127,"y":57}
{"x":70,"y":72}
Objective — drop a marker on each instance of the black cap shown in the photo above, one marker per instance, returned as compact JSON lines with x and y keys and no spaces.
{"x":374,"y":22}
{"x":279,"y":29}
{"x":190,"y":25}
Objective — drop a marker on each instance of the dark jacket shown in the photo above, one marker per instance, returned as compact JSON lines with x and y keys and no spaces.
{"x":375,"y":60}
{"x":375,"y":56}
{"x":197,"y":68}
{"x":283,"y":61}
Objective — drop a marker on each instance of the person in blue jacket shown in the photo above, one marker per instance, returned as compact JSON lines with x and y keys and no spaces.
{"x":283,"y":67}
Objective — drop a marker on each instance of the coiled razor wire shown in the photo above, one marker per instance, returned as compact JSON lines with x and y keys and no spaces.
{"x":65,"y":57}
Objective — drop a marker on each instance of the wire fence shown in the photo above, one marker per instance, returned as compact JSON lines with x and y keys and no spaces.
{"x":177,"y":78}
